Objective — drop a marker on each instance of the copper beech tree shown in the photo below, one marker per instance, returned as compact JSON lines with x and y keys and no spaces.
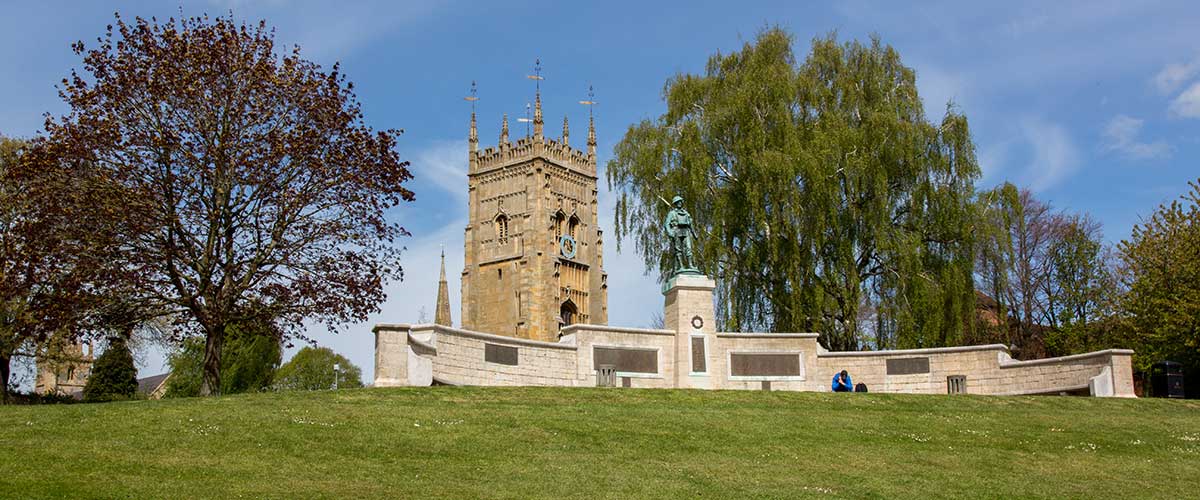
{"x":33,"y":266}
{"x":251,"y":190}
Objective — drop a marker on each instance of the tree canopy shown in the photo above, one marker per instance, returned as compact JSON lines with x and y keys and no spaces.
{"x":1162,"y":275}
{"x":244,"y":186}
{"x":824,"y":199}
{"x":48,"y":274}
{"x":312,"y":368}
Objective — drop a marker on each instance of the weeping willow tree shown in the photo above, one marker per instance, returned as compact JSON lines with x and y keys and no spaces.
{"x":824,"y":199}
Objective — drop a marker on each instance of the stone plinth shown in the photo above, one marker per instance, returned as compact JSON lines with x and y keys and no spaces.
{"x":688,"y":311}
{"x":391,"y":355}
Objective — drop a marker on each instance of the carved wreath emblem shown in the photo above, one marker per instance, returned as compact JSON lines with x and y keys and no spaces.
{"x":697,"y":322}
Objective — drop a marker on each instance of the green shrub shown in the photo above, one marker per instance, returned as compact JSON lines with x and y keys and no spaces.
{"x":113,"y":374}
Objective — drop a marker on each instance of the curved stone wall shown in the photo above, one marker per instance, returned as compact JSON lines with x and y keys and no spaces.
{"x":691,"y":354}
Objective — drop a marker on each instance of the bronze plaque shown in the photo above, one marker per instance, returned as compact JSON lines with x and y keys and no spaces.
{"x":764,"y":365}
{"x":500,"y":354}
{"x":626,"y":359}
{"x":907,"y":366}
{"x":698,"y":362}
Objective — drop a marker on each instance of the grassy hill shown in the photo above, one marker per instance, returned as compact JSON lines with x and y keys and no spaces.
{"x":456,"y":442}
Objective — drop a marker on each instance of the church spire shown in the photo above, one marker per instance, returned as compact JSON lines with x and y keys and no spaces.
{"x":442,"y":316}
{"x":566,"y":137}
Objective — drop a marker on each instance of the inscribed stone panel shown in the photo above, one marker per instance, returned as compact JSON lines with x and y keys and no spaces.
{"x":500,"y":354}
{"x":907,"y":366}
{"x":764,"y":365}
{"x":698,"y":360}
{"x":626,"y":359}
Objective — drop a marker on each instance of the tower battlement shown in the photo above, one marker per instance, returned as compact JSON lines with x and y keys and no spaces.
{"x":528,"y":148}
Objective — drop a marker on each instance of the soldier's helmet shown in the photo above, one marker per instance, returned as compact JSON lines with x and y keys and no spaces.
{"x":677,"y":200}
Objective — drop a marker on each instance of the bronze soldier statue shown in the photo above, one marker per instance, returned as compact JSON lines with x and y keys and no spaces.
{"x":681,"y":233}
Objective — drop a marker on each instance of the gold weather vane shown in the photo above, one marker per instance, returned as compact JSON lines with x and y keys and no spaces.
{"x":472,"y":97}
{"x":591,"y":100}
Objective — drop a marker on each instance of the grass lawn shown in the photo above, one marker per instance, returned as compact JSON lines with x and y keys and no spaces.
{"x":462,"y":442}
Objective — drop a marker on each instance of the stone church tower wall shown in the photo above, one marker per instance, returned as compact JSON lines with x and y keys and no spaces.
{"x":533,"y":252}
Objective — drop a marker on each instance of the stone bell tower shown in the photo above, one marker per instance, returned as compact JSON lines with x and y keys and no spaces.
{"x":533,"y":256}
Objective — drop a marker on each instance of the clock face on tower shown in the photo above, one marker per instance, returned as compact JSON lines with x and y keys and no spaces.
{"x":566,"y":246}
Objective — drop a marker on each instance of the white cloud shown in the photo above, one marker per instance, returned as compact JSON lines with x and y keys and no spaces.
{"x":1173,"y":75}
{"x":444,"y":164}
{"x":938,"y":87}
{"x":329,"y":31}
{"x":1055,"y":156}
{"x":1187,"y":103}
{"x":1121,"y":135}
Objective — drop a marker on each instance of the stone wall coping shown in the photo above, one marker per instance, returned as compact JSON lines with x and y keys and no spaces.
{"x":572,"y":329}
{"x":391,"y":326}
{"x":1074,"y":357}
{"x":906,"y":352}
{"x":757,"y":335}
{"x":414,"y":340}
{"x":498,"y":339}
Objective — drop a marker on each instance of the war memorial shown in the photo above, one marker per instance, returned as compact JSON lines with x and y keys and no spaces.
{"x":534,"y":308}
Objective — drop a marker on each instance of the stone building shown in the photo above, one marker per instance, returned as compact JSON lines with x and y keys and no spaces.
{"x":63,"y":368}
{"x":533,"y":250}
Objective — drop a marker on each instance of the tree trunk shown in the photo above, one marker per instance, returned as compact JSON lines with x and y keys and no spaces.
{"x":211,"y":380}
{"x":5,"y":371}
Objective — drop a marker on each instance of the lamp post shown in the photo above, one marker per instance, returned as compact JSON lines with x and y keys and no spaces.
{"x":335,"y":376}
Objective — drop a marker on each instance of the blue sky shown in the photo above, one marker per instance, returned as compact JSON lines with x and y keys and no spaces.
{"x":1094,"y":105}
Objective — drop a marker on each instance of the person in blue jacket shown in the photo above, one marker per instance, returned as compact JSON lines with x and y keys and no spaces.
{"x":842,"y":382}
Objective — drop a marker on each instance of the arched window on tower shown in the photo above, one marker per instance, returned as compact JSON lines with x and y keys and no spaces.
{"x":567,"y":314}
{"x":559,"y":221}
{"x":502,"y":229}
{"x":571,"y":226}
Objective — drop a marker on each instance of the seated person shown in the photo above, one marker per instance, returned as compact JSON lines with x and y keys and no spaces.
{"x":842,"y":382}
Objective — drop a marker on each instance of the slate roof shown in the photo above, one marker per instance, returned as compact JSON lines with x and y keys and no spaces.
{"x":149,"y":384}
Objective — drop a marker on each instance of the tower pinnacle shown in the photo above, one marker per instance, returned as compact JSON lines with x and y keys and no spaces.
{"x":591,"y":144}
{"x":473,"y":137}
{"x":537,"y":99}
{"x":566,"y":137}
{"x":591,"y":140}
{"x":504,"y":131}
{"x":537,"y":115}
